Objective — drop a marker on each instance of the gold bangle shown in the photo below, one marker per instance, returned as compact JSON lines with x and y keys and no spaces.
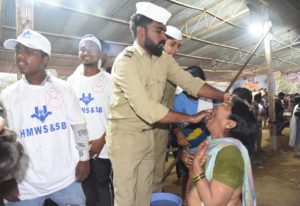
{"x":196,"y":178}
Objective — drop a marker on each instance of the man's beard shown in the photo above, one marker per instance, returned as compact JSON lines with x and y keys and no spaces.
{"x":155,"y":50}
{"x":91,"y":64}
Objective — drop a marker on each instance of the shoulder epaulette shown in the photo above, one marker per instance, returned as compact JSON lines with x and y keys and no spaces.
{"x":128,"y":53}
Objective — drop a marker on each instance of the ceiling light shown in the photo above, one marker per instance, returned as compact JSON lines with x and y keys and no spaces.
{"x":256,"y":29}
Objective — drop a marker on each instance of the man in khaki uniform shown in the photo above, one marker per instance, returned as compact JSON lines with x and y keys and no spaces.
{"x":161,"y":131}
{"x":139,"y":76}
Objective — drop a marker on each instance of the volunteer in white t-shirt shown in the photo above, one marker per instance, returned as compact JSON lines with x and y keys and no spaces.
{"x":93,"y":88}
{"x":45,"y":114}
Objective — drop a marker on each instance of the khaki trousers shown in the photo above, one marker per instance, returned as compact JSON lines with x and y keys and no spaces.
{"x":161,"y":142}
{"x":132,"y":157}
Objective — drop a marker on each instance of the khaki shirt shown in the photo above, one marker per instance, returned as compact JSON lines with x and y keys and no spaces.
{"x":139,"y":81}
{"x":169,"y":95}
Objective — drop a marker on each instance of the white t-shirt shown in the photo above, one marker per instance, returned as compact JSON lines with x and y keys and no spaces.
{"x":293,"y":128}
{"x":95,"y":95}
{"x":42,"y":116}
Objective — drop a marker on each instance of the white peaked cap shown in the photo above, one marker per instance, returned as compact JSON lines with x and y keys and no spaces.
{"x":30,"y":39}
{"x":153,"y":12}
{"x":174,"y":32}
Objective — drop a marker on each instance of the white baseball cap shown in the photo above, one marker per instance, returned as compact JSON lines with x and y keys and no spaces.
{"x":174,"y":32}
{"x":153,"y":12}
{"x":90,"y":37}
{"x":30,"y":39}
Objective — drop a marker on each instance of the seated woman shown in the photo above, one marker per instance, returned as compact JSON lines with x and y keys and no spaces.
{"x":13,"y":161}
{"x":221,"y":166}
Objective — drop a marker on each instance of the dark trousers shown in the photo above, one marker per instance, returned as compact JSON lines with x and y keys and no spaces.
{"x":98,"y":187}
{"x":258,"y":137}
{"x":172,"y":144}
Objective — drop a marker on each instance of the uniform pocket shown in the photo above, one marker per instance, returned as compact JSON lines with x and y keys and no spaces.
{"x":156,"y":88}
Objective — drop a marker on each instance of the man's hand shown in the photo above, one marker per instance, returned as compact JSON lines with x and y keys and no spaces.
{"x":203,"y":115}
{"x":227,"y":97}
{"x":96,"y":146}
{"x":10,"y":191}
{"x":181,"y":139}
{"x":82,"y":170}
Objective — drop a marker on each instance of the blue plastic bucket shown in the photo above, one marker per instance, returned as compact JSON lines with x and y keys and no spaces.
{"x":165,"y":199}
